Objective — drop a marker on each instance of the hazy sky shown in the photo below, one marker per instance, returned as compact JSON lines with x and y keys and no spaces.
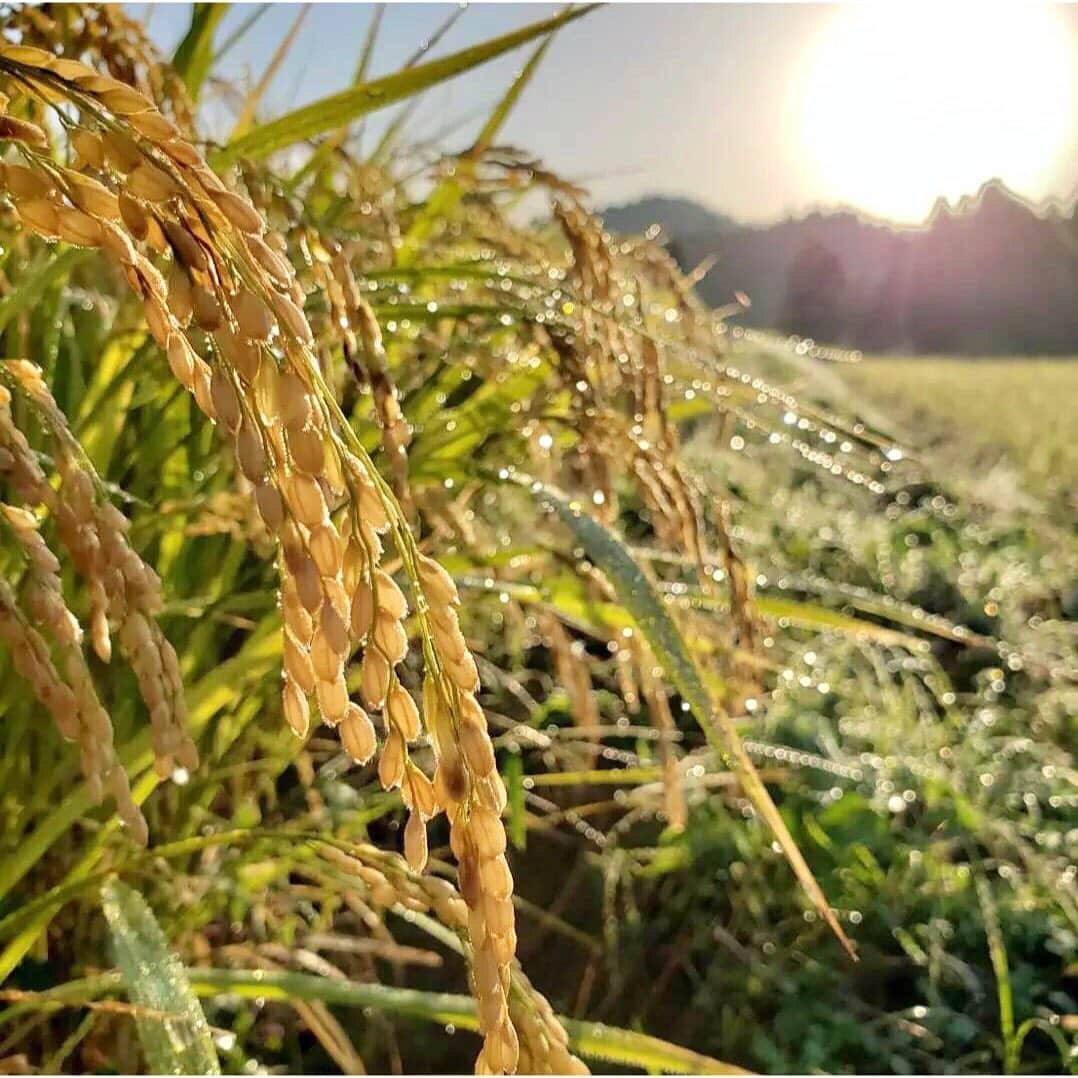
{"x":756,"y":110}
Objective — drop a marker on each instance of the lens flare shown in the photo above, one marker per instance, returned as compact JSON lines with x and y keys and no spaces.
{"x":899,"y":104}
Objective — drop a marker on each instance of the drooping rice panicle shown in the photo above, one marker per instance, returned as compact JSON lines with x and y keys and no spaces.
{"x":313,"y":484}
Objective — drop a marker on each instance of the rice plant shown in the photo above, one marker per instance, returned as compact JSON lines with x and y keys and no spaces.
{"x":484,"y":603}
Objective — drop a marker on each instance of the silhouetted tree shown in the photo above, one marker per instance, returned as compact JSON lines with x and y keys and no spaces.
{"x":814,"y":287}
{"x":990,"y":274}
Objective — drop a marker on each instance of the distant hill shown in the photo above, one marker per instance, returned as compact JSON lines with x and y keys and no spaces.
{"x":678,"y":216}
{"x":992,"y":274}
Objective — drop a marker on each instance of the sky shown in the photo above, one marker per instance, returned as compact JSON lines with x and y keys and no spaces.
{"x":757,"y":110}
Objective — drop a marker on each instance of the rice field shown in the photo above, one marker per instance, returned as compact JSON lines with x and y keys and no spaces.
{"x":1016,"y":414}
{"x":434,"y":642}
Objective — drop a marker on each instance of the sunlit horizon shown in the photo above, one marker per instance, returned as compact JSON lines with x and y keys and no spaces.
{"x":897,"y":106}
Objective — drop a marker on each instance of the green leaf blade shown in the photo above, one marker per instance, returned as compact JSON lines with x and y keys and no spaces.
{"x":640,"y":599}
{"x":51,"y":270}
{"x":338,"y":110}
{"x":194,"y":55}
{"x":156,"y":981}
{"x":593,"y":1039}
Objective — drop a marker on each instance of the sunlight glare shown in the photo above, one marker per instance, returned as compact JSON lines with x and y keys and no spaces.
{"x":899,"y":104}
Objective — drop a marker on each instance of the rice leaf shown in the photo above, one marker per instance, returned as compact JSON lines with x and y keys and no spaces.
{"x":329,"y":144}
{"x":51,"y":270}
{"x":811,"y":616}
{"x":240,"y":32}
{"x":640,"y":599}
{"x":592,"y":1039}
{"x":517,"y":821}
{"x":331,"y":113}
{"x":629,"y":1048}
{"x":258,"y":91}
{"x":388,"y":139}
{"x":155,"y":979}
{"x":461,"y":431}
{"x":107,"y":397}
{"x":194,"y":54}
{"x":822,"y":619}
{"x":512,"y":96}
{"x":445,"y":198}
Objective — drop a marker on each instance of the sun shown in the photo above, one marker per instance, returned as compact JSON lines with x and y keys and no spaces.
{"x":897,"y":104}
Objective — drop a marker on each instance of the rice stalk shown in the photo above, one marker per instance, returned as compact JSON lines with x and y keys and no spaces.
{"x":305,"y":464}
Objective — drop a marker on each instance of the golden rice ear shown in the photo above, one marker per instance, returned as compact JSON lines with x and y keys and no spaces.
{"x":92,"y":197}
{"x":270,"y":505}
{"x":253,"y":317}
{"x":27,"y":54}
{"x":306,"y":447}
{"x":420,"y":792}
{"x":325,"y":546}
{"x":250,"y":452}
{"x":226,"y":403}
{"x":362,"y":613}
{"x":89,"y":147}
{"x":40,"y":215}
{"x":313,"y":484}
{"x":238,"y":211}
{"x":390,"y":637}
{"x":305,"y":499}
{"x":280,"y":269}
{"x":357,"y":734}
{"x":415,"y":842}
{"x":153,"y":125}
{"x":78,"y":228}
{"x":205,"y":309}
{"x":179,"y":295}
{"x":23,"y":182}
{"x":22,"y":131}
{"x":391,"y":762}
{"x":391,"y":600}
{"x":402,"y":712}
{"x":332,"y":695}
{"x":293,"y":402}
{"x":298,"y":665}
{"x":374,"y":678}
{"x":134,"y":217}
{"x":478,"y":751}
{"x":245,"y":356}
{"x":296,"y":709}
{"x":121,"y":588}
{"x":293,"y":318}
{"x":438,"y":585}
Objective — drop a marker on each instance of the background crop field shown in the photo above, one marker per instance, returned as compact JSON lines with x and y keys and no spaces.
{"x":988,"y":412}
